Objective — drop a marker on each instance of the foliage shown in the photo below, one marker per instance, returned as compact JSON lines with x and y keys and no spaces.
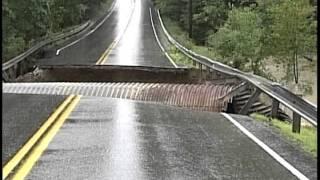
{"x":239,"y":40}
{"x":182,"y":37}
{"x":307,"y":138}
{"x":247,"y":32}
{"x":207,"y":18}
{"x":179,"y":58}
{"x":292,"y":32}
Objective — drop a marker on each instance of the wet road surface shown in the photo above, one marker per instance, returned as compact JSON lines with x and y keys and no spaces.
{"x":108,"y":138}
{"x":125,"y":38}
{"x":22,"y":115}
{"x":138,"y":45}
{"x":89,"y":49}
{"x":292,"y":152}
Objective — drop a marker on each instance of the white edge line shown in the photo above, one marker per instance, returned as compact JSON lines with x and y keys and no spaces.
{"x":272,"y":153}
{"x":93,"y":30}
{"x":160,"y":45}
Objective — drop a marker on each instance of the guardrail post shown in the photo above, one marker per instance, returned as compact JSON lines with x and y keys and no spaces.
{"x":5,"y":76}
{"x":275,"y":108}
{"x":296,"y":124}
{"x":9,"y":73}
{"x":21,"y":67}
{"x":15,"y":67}
{"x":200,"y":67}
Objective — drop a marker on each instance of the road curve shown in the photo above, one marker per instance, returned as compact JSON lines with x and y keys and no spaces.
{"x":125,"y":38}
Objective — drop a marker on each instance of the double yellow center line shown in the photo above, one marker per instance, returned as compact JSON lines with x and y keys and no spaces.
{"x":106,"y":53}
{"x":22,"y":162}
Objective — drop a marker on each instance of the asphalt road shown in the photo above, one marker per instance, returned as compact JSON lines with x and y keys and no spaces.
{"x":108,"y":138}
{"x":126,"y":37}
{"x":279,"y":142}
{"x":138,"y":45}
{"x":89,"y":49}
{"x":22,"y":115}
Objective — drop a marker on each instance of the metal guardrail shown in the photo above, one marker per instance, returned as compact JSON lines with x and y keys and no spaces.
{"x":274,"y":90}
{"x":39,"y":45}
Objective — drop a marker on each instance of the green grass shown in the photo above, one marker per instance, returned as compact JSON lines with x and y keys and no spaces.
{"x":307,"y":138}
{"x":182,"y":37}
{"x":179,"y":58}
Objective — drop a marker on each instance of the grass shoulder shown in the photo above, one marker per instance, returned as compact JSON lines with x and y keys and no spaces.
{"x":182,"y":37}
{"x":307,"y":138}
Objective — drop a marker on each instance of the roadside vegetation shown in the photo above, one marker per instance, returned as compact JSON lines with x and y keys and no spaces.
{"x":307,"y":138}
{"x":25,"y":22}
{"x":179,"y":58}
{"x":249,"y":35}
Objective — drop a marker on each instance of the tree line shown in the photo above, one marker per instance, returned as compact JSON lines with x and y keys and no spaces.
{"x":246,"y":32}
{"x":24,"y":22}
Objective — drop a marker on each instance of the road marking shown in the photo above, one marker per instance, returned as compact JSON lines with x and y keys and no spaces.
{"x":158,"y":41}
{"x":90,"y":32}
{"x":106,"y":53}
{"x":40,"y":140}
{"x":266,"y":148}
{"x":23,"y":151}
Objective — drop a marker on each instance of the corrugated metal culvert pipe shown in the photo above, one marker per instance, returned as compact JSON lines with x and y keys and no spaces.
{"x":194,"y":96}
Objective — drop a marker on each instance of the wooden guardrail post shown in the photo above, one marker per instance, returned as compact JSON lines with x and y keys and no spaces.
{"x":296,"y":123}
{"x":15,"y":70}
{"x":194,"y":63}
{"x":275,"y":108}
{"x":21,"y":67}
{"x":5,"y":76}
{"x":10,"y":73}
{"x":200,"y":67}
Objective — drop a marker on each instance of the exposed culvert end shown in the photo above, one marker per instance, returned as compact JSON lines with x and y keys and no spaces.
{"x":193,"y":96}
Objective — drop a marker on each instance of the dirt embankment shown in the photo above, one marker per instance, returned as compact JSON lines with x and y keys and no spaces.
{"x":307,"y":86}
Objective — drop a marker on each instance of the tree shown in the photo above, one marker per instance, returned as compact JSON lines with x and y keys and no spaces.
{"x":293,"y":32}
{"x":209,"y":16}
{"x":10,"y":42}
{"x":239,"y":40}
